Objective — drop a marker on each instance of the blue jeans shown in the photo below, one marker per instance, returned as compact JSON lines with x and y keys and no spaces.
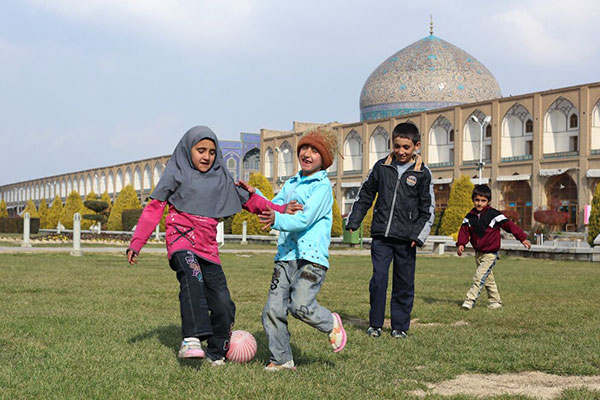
{"x":383,"y":251}
{"x":207,"y":311}
{"x":294,"y":289}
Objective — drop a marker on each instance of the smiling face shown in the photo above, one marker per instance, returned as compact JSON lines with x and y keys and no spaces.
{"x":203,"y":155}
{"x":404,"y":149}
{"x":310,"y":160}
{"x":480,"y":202}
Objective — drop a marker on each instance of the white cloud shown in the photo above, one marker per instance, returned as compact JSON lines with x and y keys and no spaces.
{"x":541,"y":32}
{"x":210,"y":23}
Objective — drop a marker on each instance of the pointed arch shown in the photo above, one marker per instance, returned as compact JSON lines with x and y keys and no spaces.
{"x":476,"y":142}
{"x":559,"y":138}
{"x":441,"y":143}
{"x":379,"y":145}
{"x":268,"y":166}
{"x":516,"y":142}
{"x":353,"y":152}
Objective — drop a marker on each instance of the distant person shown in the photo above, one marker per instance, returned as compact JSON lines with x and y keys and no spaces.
{"x":402,"y":219}
{"x":197,"y":189}
{"x":482,"y":226}
{"x":301,"y":262}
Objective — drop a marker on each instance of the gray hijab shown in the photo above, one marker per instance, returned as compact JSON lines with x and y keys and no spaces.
{"x":209,"y":194}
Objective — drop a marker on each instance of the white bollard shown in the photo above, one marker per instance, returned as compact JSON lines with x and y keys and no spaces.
{"x":221,"y":234}
{"x":76,"y":235}
{"x":157,"y":232}
{"x":58,"y":226}
{"x":244,"y":232}
{"x":26,"y":230}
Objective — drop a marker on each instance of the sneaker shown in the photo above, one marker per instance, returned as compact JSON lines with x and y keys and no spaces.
{"x":374,"y":332}
{"x":398,"y":334}
{"x":281,"y":367}
{"x":495,"y":306}
{"x":467,"y":305}
{"x":216,"y":363}
{"x":337,"y":336}
{"x":190,"y":348}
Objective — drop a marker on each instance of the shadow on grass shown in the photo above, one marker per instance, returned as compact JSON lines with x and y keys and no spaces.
{"x":432,"y":300}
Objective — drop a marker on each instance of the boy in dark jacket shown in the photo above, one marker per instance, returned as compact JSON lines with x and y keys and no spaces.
{"x":402,"y":219}
{"x":482,"y":226}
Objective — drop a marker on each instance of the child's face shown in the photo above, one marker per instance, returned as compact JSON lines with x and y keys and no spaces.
{"x":480,"y":202}
{"x":404,"y":149}
{"x":203,"y":154}
{"x":310,"y":160}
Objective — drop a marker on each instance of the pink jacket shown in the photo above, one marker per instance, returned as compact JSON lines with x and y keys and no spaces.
{"x":187,"y":231}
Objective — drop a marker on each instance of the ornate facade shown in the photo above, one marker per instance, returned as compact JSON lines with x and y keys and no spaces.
{"x":539,"y":150}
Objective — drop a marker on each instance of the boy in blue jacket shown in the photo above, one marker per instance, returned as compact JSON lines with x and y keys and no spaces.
{"x":302,"y":251}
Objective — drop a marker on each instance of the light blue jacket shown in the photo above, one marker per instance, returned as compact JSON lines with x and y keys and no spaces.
{"x":306,"y":234}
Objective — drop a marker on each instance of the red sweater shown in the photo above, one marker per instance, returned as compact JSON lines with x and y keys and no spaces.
{"x":186,"y":231}
{"x":483,"y":230}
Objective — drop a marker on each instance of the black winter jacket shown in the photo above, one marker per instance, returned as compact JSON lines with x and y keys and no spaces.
{"x":405,"y":207}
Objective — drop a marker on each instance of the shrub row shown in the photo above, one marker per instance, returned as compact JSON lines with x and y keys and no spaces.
{"x":15,"y":225}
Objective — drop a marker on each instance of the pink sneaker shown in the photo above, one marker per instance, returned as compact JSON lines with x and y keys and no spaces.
{"x":190,"y":349}
{"x":337,"y":336}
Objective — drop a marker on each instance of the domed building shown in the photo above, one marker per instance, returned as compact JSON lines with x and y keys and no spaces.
{"x":430,"y":73}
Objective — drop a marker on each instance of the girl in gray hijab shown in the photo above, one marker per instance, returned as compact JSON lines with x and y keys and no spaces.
{"x":198,"y":189}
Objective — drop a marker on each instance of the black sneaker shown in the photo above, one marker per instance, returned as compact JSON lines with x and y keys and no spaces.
{"x":374,"y":332}
{"x":398,"y":334}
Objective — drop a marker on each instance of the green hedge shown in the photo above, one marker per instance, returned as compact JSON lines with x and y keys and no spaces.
{"x":15,"y":225}
{"x":129,"y":218}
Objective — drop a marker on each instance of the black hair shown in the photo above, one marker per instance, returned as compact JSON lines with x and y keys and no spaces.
{"x":408,"y":131}
{"x":483,"y":191}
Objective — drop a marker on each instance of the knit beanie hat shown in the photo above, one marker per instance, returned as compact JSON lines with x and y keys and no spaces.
{"x":324,"y":139}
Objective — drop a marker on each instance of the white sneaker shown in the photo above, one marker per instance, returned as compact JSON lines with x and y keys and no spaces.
{"x":494,"y":306}
{"x":219,"y":362}
{"x":272,"y":367}
{"x":467,"y":305}
{"x":191,"y":348}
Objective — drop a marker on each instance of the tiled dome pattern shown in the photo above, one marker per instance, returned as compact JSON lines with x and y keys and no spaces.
{"x":430,"y":73}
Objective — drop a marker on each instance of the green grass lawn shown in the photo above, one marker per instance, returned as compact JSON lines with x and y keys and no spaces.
{"x":93,"y":327}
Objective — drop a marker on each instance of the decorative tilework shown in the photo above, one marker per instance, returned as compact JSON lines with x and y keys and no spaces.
{"x":430,"y":71}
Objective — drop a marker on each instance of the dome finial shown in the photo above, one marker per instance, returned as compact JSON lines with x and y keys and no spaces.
{"x":430,"y":24}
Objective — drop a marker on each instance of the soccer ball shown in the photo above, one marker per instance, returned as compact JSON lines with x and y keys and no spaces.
{"x":242,"y":347}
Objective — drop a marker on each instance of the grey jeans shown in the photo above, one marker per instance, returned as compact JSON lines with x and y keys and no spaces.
{"x":294,"y":289}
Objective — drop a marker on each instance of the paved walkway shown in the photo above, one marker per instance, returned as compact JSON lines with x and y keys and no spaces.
{"x":154,"y":250}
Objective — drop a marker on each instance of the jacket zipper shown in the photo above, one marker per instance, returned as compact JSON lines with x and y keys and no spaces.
{"x":389,"y":225}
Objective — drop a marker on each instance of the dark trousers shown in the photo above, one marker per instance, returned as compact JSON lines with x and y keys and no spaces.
{"x":383,"y":251}
{"x":207,"y":311}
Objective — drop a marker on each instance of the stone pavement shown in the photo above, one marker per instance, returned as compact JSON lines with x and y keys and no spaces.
{"x":121,"y":250}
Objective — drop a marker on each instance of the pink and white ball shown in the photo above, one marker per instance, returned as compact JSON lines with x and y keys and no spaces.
{"x":242,"y":347}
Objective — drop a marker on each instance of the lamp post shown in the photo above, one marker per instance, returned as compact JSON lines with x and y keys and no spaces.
{"x":482,"y":124}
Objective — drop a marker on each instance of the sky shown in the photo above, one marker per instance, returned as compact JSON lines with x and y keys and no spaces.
{"x":92,"y":83}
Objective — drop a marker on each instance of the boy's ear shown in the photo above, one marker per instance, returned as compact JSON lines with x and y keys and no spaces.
{"x":418,"y":145}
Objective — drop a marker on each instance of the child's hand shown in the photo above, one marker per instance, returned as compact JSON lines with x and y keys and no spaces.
{"x":131,"y":257}
{"x":526,"y":243}
{"x":250,"y":189}
{"x":460,"y":249}
{"x":413,"y":243}
{"x":267,"y":218}
{"x":292,"y":207}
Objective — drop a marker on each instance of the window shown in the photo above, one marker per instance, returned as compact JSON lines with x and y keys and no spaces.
{"x":529,"y":147}
{"x":488,"y":152}
{"x":529,"y":126}
{"x":573,"y":122}
{"x":451,"y":136}
{"x":488,"y":131}
{"x":573,"y":143}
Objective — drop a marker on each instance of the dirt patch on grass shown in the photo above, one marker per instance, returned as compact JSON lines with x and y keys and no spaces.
{"x":534,"y":384}
{"x":387,"y":323}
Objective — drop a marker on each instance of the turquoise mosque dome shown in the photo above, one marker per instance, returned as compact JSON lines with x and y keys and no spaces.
{"x":430,"y":73}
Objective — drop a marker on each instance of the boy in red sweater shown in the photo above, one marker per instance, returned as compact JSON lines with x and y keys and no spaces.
{"x":481,"y":227}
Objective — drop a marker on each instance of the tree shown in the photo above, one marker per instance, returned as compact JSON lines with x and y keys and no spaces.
{"x":86,"y":223}
{"x":106,"y":198}
{"x":72,"y":206}
{"x":126,"y":200}
{"x":594,"y":222}
{"x":254,"y":225}
{"x":31,"y":209}
{"x":3,"y":210}
{"x":55,"y":212}
{"x":336,"y":226}
{"x":459,"y":204}
{"x":44,"y":211}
